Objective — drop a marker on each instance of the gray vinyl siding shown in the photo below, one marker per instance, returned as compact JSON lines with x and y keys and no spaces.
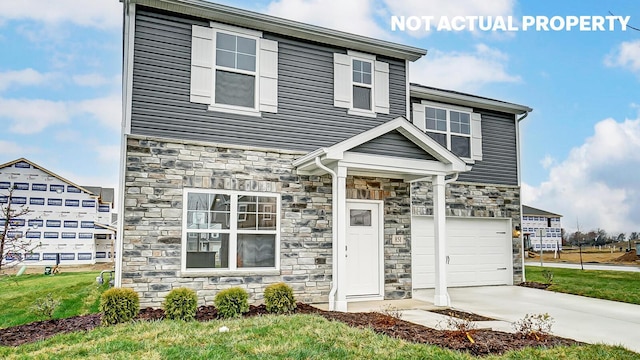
{"x":499,"y":163}
{"x":306,"y":118}
{"x":393,"y":144}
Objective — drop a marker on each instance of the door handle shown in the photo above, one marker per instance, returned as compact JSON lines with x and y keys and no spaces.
{"x":448,"y":259}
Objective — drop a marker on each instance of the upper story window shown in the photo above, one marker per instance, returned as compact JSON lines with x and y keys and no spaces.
{"x":452,"y":129}
{"x":235,"y":74}
{"x":456,"y":128}
{"x":233,"y":70}
{"x":361,"y":84}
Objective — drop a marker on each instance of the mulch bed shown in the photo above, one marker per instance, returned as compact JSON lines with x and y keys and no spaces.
{"x":486,"y":341}
{"x":534,"y":285}
{"x":461,"y":315}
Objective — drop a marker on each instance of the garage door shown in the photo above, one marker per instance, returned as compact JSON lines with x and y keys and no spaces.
{"x":478,"y":250}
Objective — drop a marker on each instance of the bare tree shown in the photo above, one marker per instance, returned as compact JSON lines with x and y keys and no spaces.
{"x":13,"y":245}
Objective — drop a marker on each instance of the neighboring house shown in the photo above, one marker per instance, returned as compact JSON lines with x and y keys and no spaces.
{"x":70,"y":221}
{"x":259,"y":150}
{"x":541,"y":229}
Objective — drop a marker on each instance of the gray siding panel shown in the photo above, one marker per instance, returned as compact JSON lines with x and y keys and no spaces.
{"x":306,"y":118}
{"x":499,"y":163}
{"x":393,"y":144}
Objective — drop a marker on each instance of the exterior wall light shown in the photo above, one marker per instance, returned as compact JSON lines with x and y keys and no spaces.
{"x":516,"y":231}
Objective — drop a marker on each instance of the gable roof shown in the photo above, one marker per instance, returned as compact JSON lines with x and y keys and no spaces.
{"x":253,"y":20}
{"x":528,"y":210}
{"x":464,"y":99}
{"x":439,"y":159}
{"x":104,"y":194}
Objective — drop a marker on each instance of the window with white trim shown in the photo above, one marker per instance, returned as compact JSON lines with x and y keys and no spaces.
{"x":456,"y":128}
{"x":235,"y":75}
{"x":233,"y":70}
{"x":361,"y":84}
{"x":225,"y":230}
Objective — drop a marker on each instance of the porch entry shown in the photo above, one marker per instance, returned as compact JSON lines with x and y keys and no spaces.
{"x":364,"y":250}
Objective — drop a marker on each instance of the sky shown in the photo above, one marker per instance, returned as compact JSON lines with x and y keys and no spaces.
{"x":60,"y":88}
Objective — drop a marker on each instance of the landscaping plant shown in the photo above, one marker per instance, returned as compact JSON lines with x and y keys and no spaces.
{"x":548,"y":276}
{"x":45,"y":306}
{"x":181,"y":304}
{"x":460,"y":326}
{"x":232,"y":302}
{"x":536,"y":325}
{"x":279,"y":298}
{"x":119,"y":305}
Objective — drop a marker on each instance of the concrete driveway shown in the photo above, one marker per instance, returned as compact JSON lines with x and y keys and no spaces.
{"x":576,"y":317}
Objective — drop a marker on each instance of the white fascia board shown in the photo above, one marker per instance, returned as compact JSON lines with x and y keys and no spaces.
{"x":467,"y":100}
{"x":309,"y":158}
{"x":253,"y":20}
{"x":394,"y":165}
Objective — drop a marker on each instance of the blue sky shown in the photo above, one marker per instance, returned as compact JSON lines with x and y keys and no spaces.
{"x":60,"y":89}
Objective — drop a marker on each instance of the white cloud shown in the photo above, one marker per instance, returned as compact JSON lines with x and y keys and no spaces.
{"x":626,"y":56}
{"x":597,"y":184}
{"x":94,"y":80}
{"x":109,"y":153}
{"x":107,"y":110}
{"x":354,"y":16}
{"x":14,"y":149}
{"x":449,"y":9}
{"x":101,"y":14}
{"x":25,"y":77}
{"x":462,"y":71}
{"x":30,"y":116}
{"x":547,"y":161}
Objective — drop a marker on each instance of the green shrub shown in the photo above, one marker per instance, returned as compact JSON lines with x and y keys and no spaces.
{"x":279,"y":298}
{"x":231,"y":302}
{"x":181,"y":304}
{"x":119,"y":305}
{"x":45,"y":306}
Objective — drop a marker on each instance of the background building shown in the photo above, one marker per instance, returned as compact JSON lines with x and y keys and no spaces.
{"x":536,"y":220}
{"x":73,"y":221}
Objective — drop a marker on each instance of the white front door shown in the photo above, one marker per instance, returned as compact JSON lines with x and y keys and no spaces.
{"x":364,"y":249}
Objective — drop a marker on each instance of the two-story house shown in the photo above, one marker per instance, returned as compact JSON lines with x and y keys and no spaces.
{"x":258,"y":150}
{"x":62,"y":222}
{"x":542,"y":230}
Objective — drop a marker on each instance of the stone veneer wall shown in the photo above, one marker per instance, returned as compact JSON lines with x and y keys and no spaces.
{"x":397,"y":221}
{"x":476,"y":200}
{"x":157,"y":170}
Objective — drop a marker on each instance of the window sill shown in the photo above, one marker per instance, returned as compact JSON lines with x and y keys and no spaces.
{"x":361,"y":112}
{"x":238,"y":111}
{"x":211,"y":273}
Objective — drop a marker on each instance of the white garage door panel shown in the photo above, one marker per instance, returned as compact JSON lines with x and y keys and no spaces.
{"x":479,"y":252}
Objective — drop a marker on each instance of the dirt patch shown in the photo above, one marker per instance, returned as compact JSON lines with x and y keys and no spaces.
{"x":485,"y":341}
{"x":629,"y":256}
{"x":461,"y":315}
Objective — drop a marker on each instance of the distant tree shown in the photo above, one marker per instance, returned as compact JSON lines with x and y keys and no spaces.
{"x":633,"y":236}
{"x":13,"y":245}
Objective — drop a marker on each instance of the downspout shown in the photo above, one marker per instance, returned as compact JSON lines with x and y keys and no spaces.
{"x":518,"y":120}
{"x":334,"y":233}
{"x":454,"y":178}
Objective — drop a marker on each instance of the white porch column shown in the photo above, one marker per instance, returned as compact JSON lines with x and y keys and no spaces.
{"x":440,"y":235}
{"x":341,"y":208}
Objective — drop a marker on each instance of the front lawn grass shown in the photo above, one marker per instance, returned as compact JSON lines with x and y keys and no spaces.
{"x":608,"y":285}
{"x":78,"y":294}
{"x":263,"y":337}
